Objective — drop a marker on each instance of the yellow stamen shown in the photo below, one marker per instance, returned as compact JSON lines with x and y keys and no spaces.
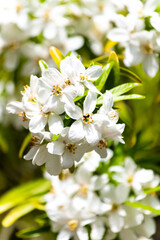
{"x":72,"y":224}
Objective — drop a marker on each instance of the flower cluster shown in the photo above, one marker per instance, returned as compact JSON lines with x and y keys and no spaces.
{"x":28,"y":28}
{"x":93,"y":205}
{"x":63,"y":128}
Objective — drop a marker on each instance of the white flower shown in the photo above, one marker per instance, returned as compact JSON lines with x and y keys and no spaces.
{"x":84,"y":126}
{"x":16,"y":107}
{"x":67,"y":150}
{"x":75,"y":73}
{"x":54,"y":92}
{"x":143,"y":49}
{"x":114,"y":197}
{"x":39,"y":154}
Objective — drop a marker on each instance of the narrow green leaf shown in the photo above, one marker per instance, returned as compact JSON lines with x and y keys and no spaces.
{"x":17,"y":213}
{"x":152,"y":190}
{"x":24,"y":145}
{"x":123,"y":88}
{"x":43,"y":65}
{"x":56,"y":55}
{"x":131,"y":75}
{"x":19,"y":194}
{"x":33,"y":232}
{"x":128,"y":97}
{"x":55,"y":137}
{"x":143,"y":206}
{"x":100,"y":82}
{"x":114,"y":58}
{"x":121,"y":98}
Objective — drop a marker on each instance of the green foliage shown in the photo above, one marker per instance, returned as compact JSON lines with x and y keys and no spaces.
{"x":143,"y":206}
{"x":24,"y":145}
{"x":56,"y":55}
{"x":100,"y":82}
{"x":43,"y":65}
{"x":24,"y":192}
{"x":33,"y":232}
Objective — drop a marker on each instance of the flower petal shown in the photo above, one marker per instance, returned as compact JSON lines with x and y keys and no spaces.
{"x":76,"y":132}
{"x":55,"y":124}
{"x":90,"y":102}
{"x":53,"y":165}
{"x":91,"y":134}
{"x":37,"y":123}
{"x":94,"y":72}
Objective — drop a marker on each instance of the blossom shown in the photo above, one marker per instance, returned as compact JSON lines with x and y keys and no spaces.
{"x":75,"y":73}
{"x":84,"y":126}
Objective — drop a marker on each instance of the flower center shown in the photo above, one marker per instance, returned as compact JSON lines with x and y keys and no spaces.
{"x":23,"y":115}
{"x":57,"y":90}
{"x":18,"y":7}
{"x":72,"y":224}
{"x":147,"y":48}
{"x":102,"y":144}
{"x":34,"y":141}
{"x":87,"y":118}
{"x":130,"y":178}
{"x":114,"y":207}
{"x":67,"y":81}
{"x":71,"y":148}
{"x":44,"y":114}
{"x":113,"y":115}
{"x":83,"y":191}
{"x":46,"y":15}
{"x":83,"y":77}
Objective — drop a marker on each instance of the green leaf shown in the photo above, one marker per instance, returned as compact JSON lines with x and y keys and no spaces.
{"x":143,"y":206}
{"x":33,"y":232}
{"x":19,"y":194}
{"x":100,"y":82}
{"x":56,"y":55}
{"x":128,"y":97}
{"x":16,"y":213}
{"x":114,"y":59}
{"x":123,"y":88}
{"x":55,"y":137}
{"x":43,"y":65}
{"x":25,"y":143}
{"x":152,"y":190}
{"x":127,"y":73}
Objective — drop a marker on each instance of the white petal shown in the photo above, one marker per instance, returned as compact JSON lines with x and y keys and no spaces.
{"x":14,"y":107}
{"x":91,"y":87}
{"x":53,"y":165}
{"x":74,"y":113}
{"x":90,"y":102}
{"x":151,"y":65}
{"x":118,"y":35}
{"x":107,"y":103}
{"x":94,"y":72}
{"x":52,"y":76}
{"x":55,"y":124}
{"x":82,"y":234}
{"x":91,"y":134}
{"x":31,"y":153}
{"x":98,"y":230}
{"x":128,"y":235}
{"x":64,"y":235}
{"x":37,"y":123}
{"x":71,"y":67}
{"x":76,"y":132}
{"x":116,"y":222}
{"x":67,"y":159}
{"x":147,"y":229}
{"x":133,"y":217}
{"x":56,"y":147}
{"x":121,"y":192}
{"x":40,"y":156}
